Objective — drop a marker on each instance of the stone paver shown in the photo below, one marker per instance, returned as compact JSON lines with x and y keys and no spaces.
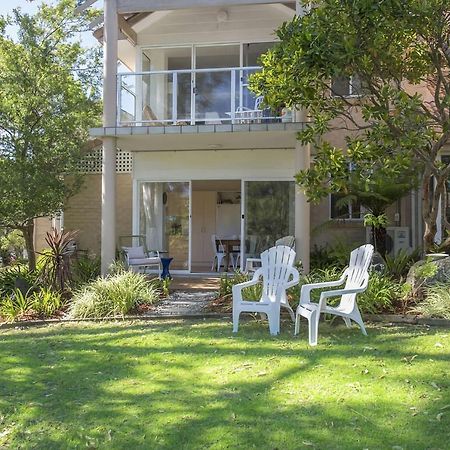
{"x":185,"y":303}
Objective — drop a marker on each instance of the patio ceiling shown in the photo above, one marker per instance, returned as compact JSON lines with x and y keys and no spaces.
{"x":139,"y":6}
{"x":208,"y":141}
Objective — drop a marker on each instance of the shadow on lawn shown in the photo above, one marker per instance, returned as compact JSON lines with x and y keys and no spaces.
{"x":192,"y":388}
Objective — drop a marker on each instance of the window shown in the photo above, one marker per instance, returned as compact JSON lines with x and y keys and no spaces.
{"x":339,"y":211}
{"x":347,"y":86}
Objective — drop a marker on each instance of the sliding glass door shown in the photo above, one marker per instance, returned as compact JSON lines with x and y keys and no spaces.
{"x":268,"y":215}
{"x":164,"y":220}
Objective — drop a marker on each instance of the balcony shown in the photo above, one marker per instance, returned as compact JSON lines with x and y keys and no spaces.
{"x":214,"y":96}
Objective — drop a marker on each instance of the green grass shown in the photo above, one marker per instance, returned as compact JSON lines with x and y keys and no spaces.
{"x":192,"y":385}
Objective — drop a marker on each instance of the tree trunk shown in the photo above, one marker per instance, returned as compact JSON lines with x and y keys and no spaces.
{"x":433,"y":193}
{"x":379,"y":235}
{"x":28,"y":235}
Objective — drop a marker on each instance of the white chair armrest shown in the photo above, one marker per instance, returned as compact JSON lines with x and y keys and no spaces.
{"x":311,"y":286}
{"x":153,"y":254}
{"x":338,"y":293}
{"x":305,"y":292}
{"x":237,"y":288}
{"x":295,"y":278}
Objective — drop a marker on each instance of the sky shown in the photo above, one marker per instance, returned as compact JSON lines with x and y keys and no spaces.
{"x":6,"y":7}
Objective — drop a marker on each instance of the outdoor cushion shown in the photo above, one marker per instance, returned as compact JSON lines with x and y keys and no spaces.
{"x":143,"y":261}
{"x":135,"y":252}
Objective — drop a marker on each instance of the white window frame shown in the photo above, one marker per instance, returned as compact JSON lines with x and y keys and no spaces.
{"x":350,"y":217}
{"x":350,"y":89}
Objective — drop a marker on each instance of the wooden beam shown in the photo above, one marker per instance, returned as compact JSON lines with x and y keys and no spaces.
{"x":128,"y":31}
{"x":96,"y":22}
{"x":137,"y":6}
{"x":83,"y":6}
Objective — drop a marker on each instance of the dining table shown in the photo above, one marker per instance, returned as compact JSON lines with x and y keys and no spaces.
{"x":228,"y":244}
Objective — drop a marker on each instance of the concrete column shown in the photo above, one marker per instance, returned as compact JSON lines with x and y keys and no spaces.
{"x":111,"y":36}
{"x":302,"y":206}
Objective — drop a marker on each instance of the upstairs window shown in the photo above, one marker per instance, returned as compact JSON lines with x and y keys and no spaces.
{"x":347,"y":86}
{"x":338,"y":211}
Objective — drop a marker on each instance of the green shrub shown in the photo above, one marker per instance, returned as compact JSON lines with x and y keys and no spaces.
{"x":331,"y":256}
{"x":436,"y":302}
{"x":115,"y":295}
{"x":315,"y":276}
{"x":162,"y":285}
{"x":46,"y":302}
{"x":227,"y":283}
{"x":397,"y":266}
{"x":11,"y":274}
{"x":56,"y":260}
{"x":380,"y":295}
{"x":85,"y":269}
{"x":14,"y":305}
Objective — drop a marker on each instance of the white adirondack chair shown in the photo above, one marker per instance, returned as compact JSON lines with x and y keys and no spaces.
{"x":356,"y":278}
{"x":252,"y":263}
{"x":276,"y":271}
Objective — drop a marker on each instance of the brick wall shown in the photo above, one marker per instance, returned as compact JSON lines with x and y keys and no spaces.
{"x":83,"y":213}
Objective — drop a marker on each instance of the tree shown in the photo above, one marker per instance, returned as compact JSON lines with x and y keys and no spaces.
{"x":396,"y":54}
{"x":48,"y":100}
{"x":375,"y":194}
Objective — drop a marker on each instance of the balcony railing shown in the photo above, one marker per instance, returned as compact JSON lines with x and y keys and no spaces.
{"x":192,"y":97}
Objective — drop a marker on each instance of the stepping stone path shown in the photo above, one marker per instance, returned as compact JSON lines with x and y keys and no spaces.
{"x":184,"y":303}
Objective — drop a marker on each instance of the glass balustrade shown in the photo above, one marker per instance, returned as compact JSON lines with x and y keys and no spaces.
{"x":192,"y":97}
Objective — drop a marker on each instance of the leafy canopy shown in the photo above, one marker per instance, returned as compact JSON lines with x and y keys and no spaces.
{"x":399,"y":50}
{"x":48,"y":100}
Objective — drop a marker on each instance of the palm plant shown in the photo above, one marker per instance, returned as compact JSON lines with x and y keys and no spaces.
{"x":375,"y":195}
{"x":56,"y":260}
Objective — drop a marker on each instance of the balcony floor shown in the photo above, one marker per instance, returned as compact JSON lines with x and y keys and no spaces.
{"x":203,"y":137}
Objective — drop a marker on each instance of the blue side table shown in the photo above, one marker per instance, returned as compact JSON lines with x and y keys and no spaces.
{"x":165,"y":268}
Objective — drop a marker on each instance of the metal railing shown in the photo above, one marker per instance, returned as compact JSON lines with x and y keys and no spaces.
{"x":191,"y":97}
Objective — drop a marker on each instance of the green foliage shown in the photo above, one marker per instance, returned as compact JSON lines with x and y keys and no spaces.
{"x":115,"y":295}
{"x":249,"y":293}
{"x":14,"y":306}
{"x":315,"y":276}
{"x":55,"y":261}
{"x":436,"y":303}
{"x":427,"y":270}
{"x":380,"y":296}
{"x":162,"y":285}
{"x":12,"y":244}
{"x":395,"y":129}
{"x":371,"y":220}
{"x":336,"y":255}
{"x":10,"y":275}
{"x":45,"y":302}
{"x":48,"y":100}
{"x":397,"y":266}
{"x":85,"y":269}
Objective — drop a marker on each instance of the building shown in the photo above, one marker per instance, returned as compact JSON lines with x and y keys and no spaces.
{"x":187,"y":150}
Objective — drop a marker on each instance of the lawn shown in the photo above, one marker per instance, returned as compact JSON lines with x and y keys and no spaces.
{"x":192,"y":385}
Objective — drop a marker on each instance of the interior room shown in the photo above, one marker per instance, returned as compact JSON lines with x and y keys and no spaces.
{"x":216,"y":211}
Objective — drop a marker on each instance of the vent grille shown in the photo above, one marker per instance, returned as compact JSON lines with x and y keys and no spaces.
{"x":92,"y":162}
